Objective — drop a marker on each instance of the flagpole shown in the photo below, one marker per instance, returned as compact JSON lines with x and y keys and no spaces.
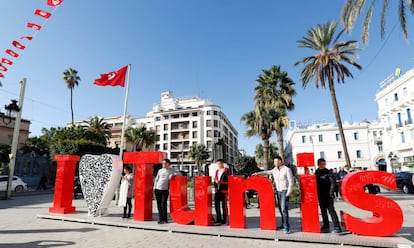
{"x":121,"y":150}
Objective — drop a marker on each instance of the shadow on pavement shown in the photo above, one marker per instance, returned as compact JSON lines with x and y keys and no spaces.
{"x":39,"y":244}
{"x":47,"y":230}
{"x":17,"y":201}
{"x":407,"y":232}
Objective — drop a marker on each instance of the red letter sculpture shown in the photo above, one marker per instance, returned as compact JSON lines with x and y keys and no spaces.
{"x":65,"y":176}
{"x":308,"y":194}
{"x":179,"y":209}
{"x":264,"y":189}
{"x":387,"y":216}
{"x":143,"y":179}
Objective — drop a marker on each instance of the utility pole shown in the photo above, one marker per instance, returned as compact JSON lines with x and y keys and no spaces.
{"x":15,"y":141}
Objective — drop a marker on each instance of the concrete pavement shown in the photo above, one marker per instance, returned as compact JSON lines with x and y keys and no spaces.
{"x":19,"y":227}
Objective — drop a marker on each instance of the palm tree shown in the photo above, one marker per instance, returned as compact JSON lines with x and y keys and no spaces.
{"x":260,"y":123}
{"x":258,"y":152}
{"x":328,"y":64}
{"x":200,"y":154}
{"x":71,"y":78}
{"x":353,"y":9}
{"x":275,"y":92}
{"x":140,"y":137}
{"x":100,"y":129}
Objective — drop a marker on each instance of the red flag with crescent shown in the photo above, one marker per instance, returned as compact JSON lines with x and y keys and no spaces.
{"x":42,"y":13}
{"x":3,"y":68}
{"x":6,"y":61}
{"x":54,"y":2}
{"x":12,"y":53}
{"x":34,"y":25}
{"x":18,"y":45}
{"x":114,"y":78}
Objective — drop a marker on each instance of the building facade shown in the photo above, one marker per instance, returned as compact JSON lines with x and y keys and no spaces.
{"x":395,"y":101}
{"x":181,"y":123}
{"x":323,"y":139}
{"x":7,"y":129}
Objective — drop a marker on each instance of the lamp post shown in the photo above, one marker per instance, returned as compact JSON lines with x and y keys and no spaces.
{"x":16,"y":132}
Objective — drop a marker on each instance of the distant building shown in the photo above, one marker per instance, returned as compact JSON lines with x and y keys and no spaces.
{"x":323,"y":139}
{"x":181,"y":123}
{"x":7,"y":129}
{"x":395,"y":101}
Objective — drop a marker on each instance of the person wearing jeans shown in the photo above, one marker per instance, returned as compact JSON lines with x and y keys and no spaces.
{"x":161,"y":189}
{"x":283,"y":180}
{"x":325,"y":183}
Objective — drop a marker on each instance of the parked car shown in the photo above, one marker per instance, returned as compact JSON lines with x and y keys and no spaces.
{"x":405,"y":181}
{"x":17,"y":184}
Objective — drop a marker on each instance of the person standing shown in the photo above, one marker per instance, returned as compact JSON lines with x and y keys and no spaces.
{"x":161,"y":188}
{"x":221,"y":180}
{"x":127,"y":192}
{"x":326,"y":187}
{"x":283,"y":181}
{"x":339,"y":177}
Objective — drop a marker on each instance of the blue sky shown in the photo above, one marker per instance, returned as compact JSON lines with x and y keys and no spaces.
{"x":211,"y":48}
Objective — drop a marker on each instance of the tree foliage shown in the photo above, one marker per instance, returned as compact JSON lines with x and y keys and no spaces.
{"x":246,"y":165}
{"x":199,"y":153}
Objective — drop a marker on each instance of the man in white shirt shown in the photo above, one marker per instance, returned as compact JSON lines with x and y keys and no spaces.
{"x":283,"y":179}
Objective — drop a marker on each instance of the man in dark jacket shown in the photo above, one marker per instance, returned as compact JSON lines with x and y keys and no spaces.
{"x":325,"y":182}
{"x":221,"y":180}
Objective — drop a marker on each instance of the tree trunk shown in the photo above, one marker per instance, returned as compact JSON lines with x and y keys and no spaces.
{"x":199,"y":169}
{"x":339,"y":121}
{"x":266,"y":154}
{"x":279,"y":133}
{"x":71,"y":105}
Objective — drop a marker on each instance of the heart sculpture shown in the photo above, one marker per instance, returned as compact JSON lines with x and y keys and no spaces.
{"x":99,"y":176}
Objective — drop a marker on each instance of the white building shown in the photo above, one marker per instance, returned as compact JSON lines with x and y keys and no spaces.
{"x":395,"y":101}
{"x":323,"y":139}
{"x":181,"y":123}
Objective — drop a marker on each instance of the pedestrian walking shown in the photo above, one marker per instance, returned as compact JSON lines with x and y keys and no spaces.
{"x":161,"y":188}
{"x":283,"y":182}
{"x":326,"y":186}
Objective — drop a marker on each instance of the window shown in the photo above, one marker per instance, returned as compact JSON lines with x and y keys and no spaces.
{"x":404,"y":91}
{"x":399,"y":120}
{"x":402,"y":138}
{"x":409,"y":119}
{"x":165,"y":136}
{"x":158,"y":118}
{"x":216,"y":124}
{"x":322,"y":154}
{"x":215,"y":113}
{"x":165,"y":146}
{"x":356,"y":136}
{"x":165,"y":127}
{"x":186,"y":115}
{"x":176,"y":116}
{"x":337,"y":137}
{"x":358,"y":154}
{"x":208,"y":134}
{"x":339,"y":154}
{"x":208,"y":123}
{"x":217,"y":134}
{"x":380,"y":148}
{"x":194,"y":124}
{"x":380,"y":132}
{"x":157,"y":147}
{"x":208,"y":112}
{"x":157,"y":138}
{"x":166,"y":117}
{"x":157,"y":128}
{"x":195,"y":134}
{"x":303,"y":139}
{"x":194,"y":114}
{"x":209,"y":144}
{"x":374,"y":133}
{"x":320,"y":138}
{"x":395,"y":96}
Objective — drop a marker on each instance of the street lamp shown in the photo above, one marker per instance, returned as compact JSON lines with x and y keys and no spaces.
{"x":11,"y":108}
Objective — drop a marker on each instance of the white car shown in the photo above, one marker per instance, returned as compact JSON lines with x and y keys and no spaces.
{"x":17,"y":185}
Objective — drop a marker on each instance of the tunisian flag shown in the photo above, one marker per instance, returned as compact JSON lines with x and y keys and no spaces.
{"x":114,"y":78}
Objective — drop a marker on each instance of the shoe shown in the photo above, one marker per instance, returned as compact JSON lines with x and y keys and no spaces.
{"x":161,"y":222}
{"x":165,"y":221}
{"x":217,"y":222}
{"x":286,"y":231}
{"x":280,"y":227}
{"x":223,"y":222}
{"x":324,"y":229}
{"x":124,"y":217}
{"x":337,"y":230}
